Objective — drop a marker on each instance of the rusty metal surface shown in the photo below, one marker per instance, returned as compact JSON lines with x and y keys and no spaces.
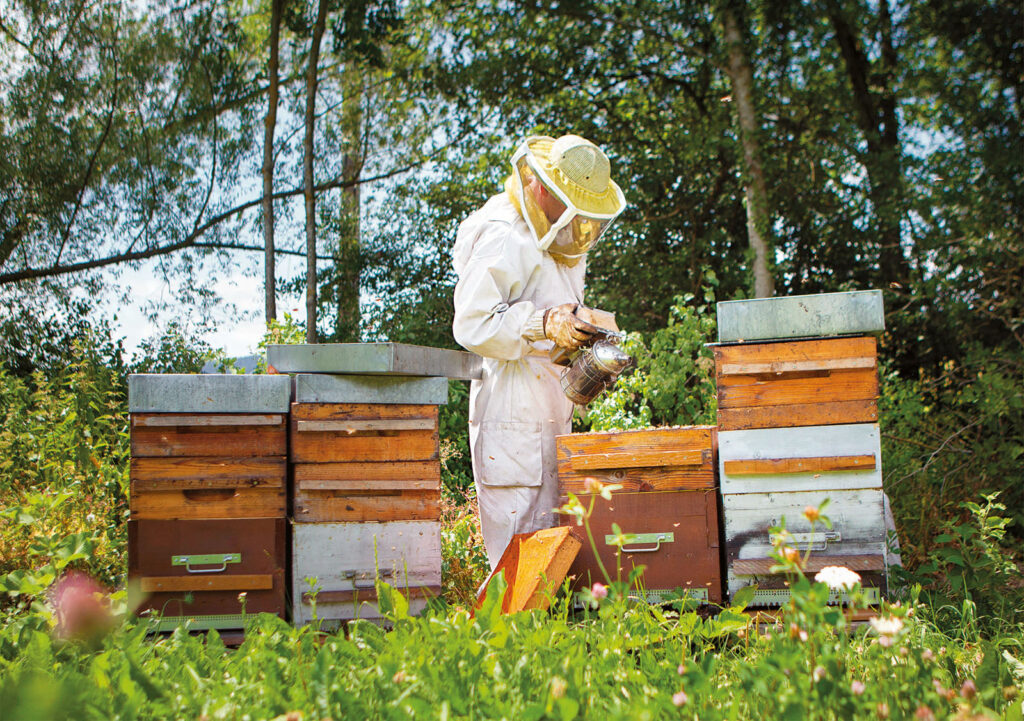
{"x":154,"y":544}
{"x":689,"y":561}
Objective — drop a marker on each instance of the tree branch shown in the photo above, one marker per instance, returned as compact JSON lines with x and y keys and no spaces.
{"x":190,"y":240}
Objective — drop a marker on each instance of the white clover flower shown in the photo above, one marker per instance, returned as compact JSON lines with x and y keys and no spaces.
{"x":838,"y":578}
{"x":888,"y":626}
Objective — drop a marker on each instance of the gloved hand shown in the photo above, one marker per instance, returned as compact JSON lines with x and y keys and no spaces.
{"x":566,"y":330}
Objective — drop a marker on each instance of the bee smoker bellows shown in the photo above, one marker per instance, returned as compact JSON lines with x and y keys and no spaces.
{"x":593,"y":370}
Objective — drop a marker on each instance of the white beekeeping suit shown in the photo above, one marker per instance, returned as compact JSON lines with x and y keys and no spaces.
{"x":521,"y":275}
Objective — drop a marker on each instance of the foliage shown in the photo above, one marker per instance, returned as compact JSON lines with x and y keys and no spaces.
{"x":63,"y":477}
{"x":673,"y":382}
{"x":464,"y":564}
{"x":179,"y":349}
{"x":279,"y":332}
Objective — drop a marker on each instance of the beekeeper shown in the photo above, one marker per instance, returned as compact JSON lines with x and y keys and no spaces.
{"x":521,"y":261}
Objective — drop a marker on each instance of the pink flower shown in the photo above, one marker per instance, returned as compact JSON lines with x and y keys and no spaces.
{"x":599,"y":591}
{"x":924,"y":713}
{"x":857,"y":687}
{"x":968,"y":690}
{"x":680,"y":699}
{"x":80,"y":605}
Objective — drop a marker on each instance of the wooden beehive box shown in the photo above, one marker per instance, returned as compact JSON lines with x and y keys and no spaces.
{"x":797,"y":383}
{"x":206,"y":447}
{"x":334,"y":566}
{"x":195,"y":570}
{"x":662,"y":459}
{"x":534,"y":566}
{"x":669,"y":505}
{"x":374,"y":458}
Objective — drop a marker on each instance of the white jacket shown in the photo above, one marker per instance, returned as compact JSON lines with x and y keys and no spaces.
{"x":518,"y":407}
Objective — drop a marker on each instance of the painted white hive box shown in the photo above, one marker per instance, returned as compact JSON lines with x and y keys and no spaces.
{"x":345,"y":558}
{"x":856,"y":539}
{"x":810,"y":458}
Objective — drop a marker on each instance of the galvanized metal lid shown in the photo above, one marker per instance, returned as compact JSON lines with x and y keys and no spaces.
{"x":374,"y":359}
{"x":328,"y":388}
{"x":208,"y":393}
{"x":801,"y":316}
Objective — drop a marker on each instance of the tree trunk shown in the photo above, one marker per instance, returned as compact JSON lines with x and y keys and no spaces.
{"x":307,"y":169}
{"x":877,"y":119}
{"x":348,"y":261}
{"x":758,"y":225}
{"x":269,"y":124}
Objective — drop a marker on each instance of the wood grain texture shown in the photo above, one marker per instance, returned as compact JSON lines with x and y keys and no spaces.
{"x":331,"y":506}
{"x":155,"y":474}
{"x":360,"y":411}
{"x":163,"y":420}
{"x":398,"y":472}
{"x":534,"y":566}
{"x":819,"y":464}
{"x":207,"y":582}
{"x":331,"y":447}
{"x":799,"y":383}
{"x":189,"y":441}
{"x":370,"y":594}
{"x":690,"y":561}
{"x":644,"y":460}
{"x":798,"y":415}
{"x":356,"y":426}
{"x":207,"y":503}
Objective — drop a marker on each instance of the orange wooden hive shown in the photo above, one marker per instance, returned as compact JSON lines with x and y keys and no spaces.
{"x":365,"y":462}
{"x":797,"y":383}
{"x":534,"y":565}
{"x":669,"y":505}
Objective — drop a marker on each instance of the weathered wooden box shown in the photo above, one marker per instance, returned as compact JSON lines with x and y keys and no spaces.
{"x":856,"y":539}
{"x":810,"y":458}
{"x":824,"y":314}
{"x":673,"y":533}
{"x":208,"y":446}
{"x":334,"y":566}
{"x":195,"y":570}
{"x":365,"y":462}
{"x":798,"y":383}
{"x":661,"y":459}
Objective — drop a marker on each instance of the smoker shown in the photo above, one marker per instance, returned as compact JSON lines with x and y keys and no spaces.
{"x":595,"y":367}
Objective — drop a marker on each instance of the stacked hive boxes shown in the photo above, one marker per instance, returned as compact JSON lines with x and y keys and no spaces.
{"x":668,"y":505}
{"x":797,"y":416}
{"x":208,"y":495}
{"x":366,"y":473}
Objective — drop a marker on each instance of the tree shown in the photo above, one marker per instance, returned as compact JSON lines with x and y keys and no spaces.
{"x":270,"y":123}
{"x":312,"y":76}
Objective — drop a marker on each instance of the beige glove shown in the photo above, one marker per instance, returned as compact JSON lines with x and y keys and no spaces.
{"x":562,"y":326}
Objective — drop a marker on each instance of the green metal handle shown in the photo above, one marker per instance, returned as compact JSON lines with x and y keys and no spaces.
{"x":221,"y":559}
{"x":656,"y":538}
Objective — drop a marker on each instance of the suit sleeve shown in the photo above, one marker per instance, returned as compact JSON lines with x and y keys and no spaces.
{"x":489,"y":319}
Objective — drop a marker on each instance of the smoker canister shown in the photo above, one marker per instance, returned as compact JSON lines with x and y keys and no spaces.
{"x":594,"y":369}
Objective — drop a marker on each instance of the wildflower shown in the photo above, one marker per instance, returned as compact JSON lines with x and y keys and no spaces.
{"x":818,"y":673}
{"x":904,"y":651}
{"x":681,"y":670}
{"x":558,"y":686}
{"x":882,"y":710}
{"x":81,"y":607}
{"x":968,"y":690}
{"x":398,"y":677}
{"x":680,"y":699}
{"x":924,"y":713}
{"x":884,"y":641}
{"x":592,"y":485}
{"x":857,"y":687}
{"x":927,"y":655}
{"x":791,"y":554}
{"x":812,"y":514}
{"x":1009,"y":692}
{"x":887,"y":626}
{"x":838,"y":578}
{"x":599,"y":591}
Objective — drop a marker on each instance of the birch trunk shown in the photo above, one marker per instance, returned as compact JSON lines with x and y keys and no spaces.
{"x":307,"y":171}
{"x":269,"y":124}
